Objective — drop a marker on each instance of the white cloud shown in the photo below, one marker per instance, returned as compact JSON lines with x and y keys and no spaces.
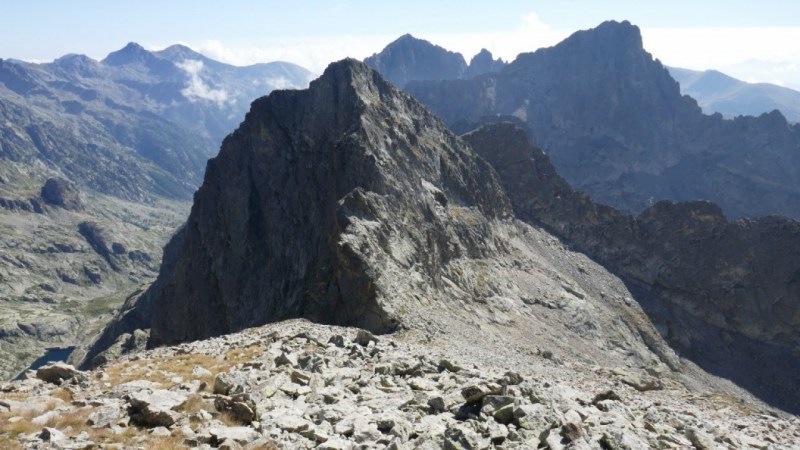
{"x":316,"y":53}
{"x":529,"y":35}
{"x":764,"y":54}
{"x":197,"y":89}
{"x":312,"y":53}
{"x":756,"y":54}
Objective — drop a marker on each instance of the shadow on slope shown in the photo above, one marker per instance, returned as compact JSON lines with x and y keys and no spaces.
{"x":722,"y":293}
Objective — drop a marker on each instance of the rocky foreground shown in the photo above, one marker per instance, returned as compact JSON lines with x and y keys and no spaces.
{"x":299,"y":385}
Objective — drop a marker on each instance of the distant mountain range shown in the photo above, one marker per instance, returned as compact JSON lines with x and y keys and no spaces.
{"x":717,"y":92}
{"x":615,"y":124}
{"x":134,"y":125}
{"x":127,"y":139}
{"x":411,"y":59}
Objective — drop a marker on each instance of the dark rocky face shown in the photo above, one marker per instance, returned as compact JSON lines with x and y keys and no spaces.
{"x":714,"y":287}
{"x":60,"y":192}
{"x":409,"y":58}
{"x":297,"y":213}
{"x":136,"y":125}
{"x":615,"y":125}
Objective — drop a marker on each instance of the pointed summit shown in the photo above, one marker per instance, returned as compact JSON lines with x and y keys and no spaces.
{"x":297,"y":216}
{"x":136,"y":56}
{"x":483,"y":62}
{"x":615,"y":124}
{"x":131,"y":53}
{"x":408,"y":58}
{"x":77,"y":64}
{"x":179,"y":51}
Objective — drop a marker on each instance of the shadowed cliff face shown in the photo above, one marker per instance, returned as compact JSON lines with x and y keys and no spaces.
{"x":409,"y":58}
{"x":295,"y":216}
{"x":615,"y":125}
{"x":723,"y":293}
{"x":349,"y":203}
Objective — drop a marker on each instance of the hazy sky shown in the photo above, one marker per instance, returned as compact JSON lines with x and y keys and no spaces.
{"x":752,"y":40}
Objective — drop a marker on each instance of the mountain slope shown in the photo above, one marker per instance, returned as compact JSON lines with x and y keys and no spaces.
{"x":410,"y":59}
{"x":296,"y":384}
{"x":723,"y":293}
{"x":128,"y":138}
{"x":352,"y":204}
{"x":717,"y":92}
{"x":616,"y":126}
{"x":134,"y":125}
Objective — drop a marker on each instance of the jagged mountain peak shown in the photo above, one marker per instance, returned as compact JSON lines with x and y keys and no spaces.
{"x":482,"y":54}
{"x":610,"y":34}
{"x":77,"y":64}
{"x":409,"y":58}
{"x":484,"y":62}
{"x":353,"y":151}
{"x":365,"y":82}
{"x":618,"y":43}
{"x":132,"y":52}
{"x":74,"y":58}
{"x":180,"y":52}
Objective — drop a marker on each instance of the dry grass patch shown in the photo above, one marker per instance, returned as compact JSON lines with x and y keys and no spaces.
{"x":9,"y":444}
{"x":163,"y":369}
{"x":165,"y":443}
{"x":75,"y":418}
{"x":717,"y":399}
{"x":227,"y":418}
{"x":63,"y":394}
{"x":194,"y":404}
{"x":243,"y":355}
{"x":12,"y":425}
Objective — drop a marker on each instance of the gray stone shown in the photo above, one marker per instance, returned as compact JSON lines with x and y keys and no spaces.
{"x":491,"y":403}
{"x":155,"y":408}
{"x":200,"y":372}
{"x":364,"y":337}
{"x":51,"y":435}
{"x":59,"y":372}
{"x":504,"y":415}
{"x":292,"y":424}
{"x":700,"y":439}
{"x":160,"y":431}
{"x":535,"y":417}
{"x":445,"y":364}
{"x":240,"y":435}
{"x":459,"y":437}
{"x":642,"y":383}
{"x":105,"y":415}
{"x":336,"y":444}
{"x":474,"y":393}
{"x":228,"y":384}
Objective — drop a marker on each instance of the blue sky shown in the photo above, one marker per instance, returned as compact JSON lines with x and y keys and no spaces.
{"x":757,"y":41}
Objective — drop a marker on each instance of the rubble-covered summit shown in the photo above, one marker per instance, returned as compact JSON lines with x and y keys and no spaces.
{"x":299,"y":385}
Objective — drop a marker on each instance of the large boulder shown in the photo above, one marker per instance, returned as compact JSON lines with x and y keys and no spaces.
{"x":63,"y":193}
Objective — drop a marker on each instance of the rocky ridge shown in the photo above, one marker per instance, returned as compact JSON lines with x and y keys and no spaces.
{"x":298,"y":385}
{"x":348,"y":203}
{"x":97,"y":162}
{"x":65,"y":266}
{"x":411,"y":59}
{"x":615,"y":125}
{"x":401,"y":226}
{"x":722,"y":293}
{"x":135,"y":125}
{"x":718,"y":92}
